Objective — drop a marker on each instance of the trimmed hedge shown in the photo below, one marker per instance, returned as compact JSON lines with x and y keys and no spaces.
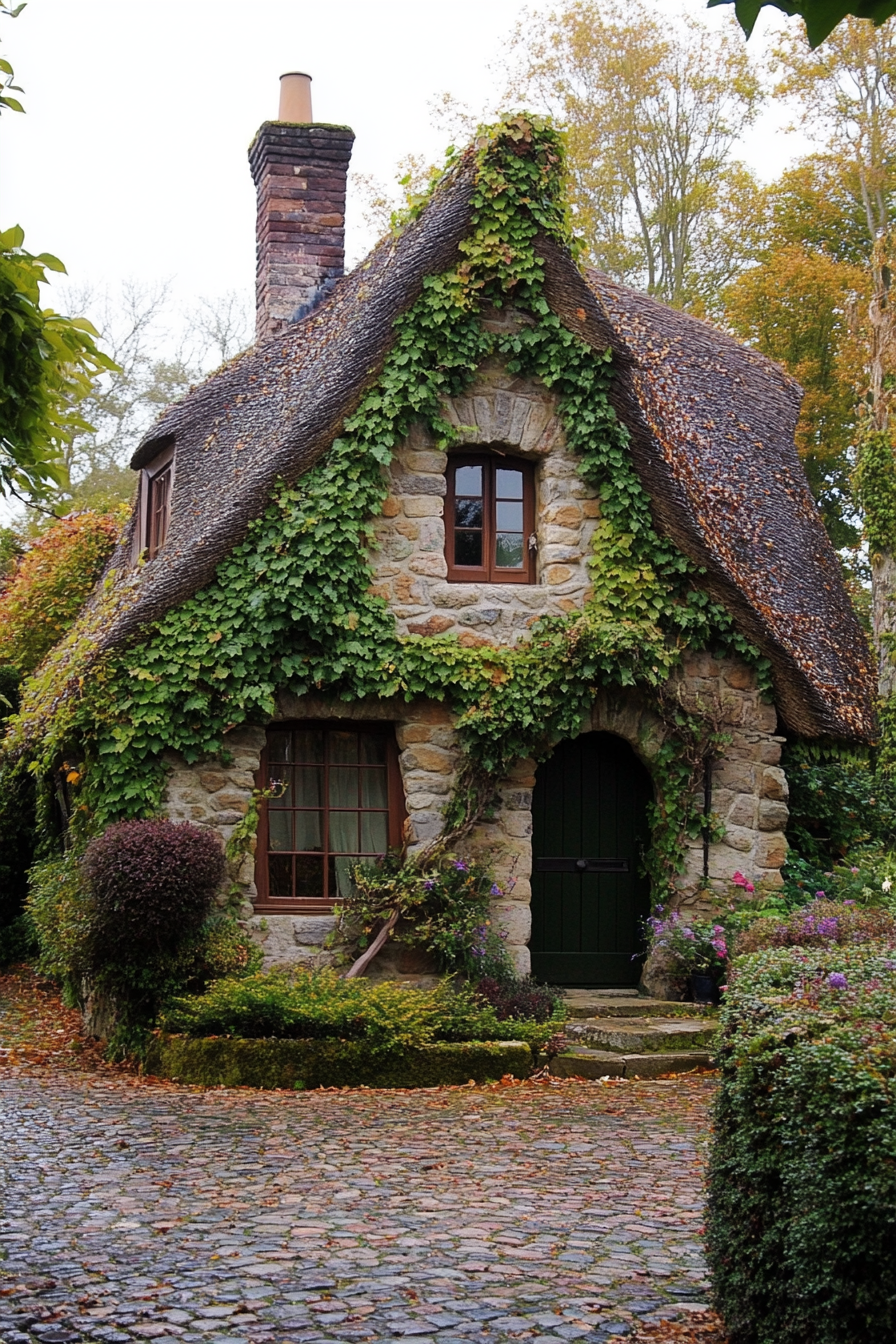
{"x":801,"y":1225}
{"x":221,"y":1061}
{"x":307,"y":1005}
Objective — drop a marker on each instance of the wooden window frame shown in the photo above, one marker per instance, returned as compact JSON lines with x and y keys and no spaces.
{"x":490,"y":572}
{"x":396,"y":817}
{"x":149,"y":538}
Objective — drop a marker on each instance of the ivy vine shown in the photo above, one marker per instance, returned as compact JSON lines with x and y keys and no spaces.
{"x":290,"y":608}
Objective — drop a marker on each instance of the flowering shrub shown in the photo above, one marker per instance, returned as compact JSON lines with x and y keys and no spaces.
{"x":695,"y":947}
{"x":818,"y":925}
{"x":802,"y":1181}
{"x":444,"y":905}
{"x":50,"y":586}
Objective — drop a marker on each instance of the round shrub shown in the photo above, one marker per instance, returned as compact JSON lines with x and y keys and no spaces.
{"x":152,"y":884}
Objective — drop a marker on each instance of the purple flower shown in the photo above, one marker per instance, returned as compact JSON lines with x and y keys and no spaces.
{"x":428,"y":885}
{"x":819,"y":895}
{"x":496,"y":890}
{"x":837,"y":980}
{"x":459,"y":865}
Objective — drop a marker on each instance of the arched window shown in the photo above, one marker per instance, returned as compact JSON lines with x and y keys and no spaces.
{"x":490,"y":519}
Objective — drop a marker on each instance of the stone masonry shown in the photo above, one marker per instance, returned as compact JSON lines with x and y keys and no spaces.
{"x":409,"y":562}
{"x":748,"y":787}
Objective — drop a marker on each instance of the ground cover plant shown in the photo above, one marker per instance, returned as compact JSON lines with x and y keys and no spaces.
{"x":802,"y":1186}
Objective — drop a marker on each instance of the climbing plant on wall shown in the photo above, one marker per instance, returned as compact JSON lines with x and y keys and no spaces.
{"x":291,"y":607}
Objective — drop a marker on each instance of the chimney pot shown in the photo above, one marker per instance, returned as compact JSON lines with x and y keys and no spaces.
{"x":295,"y":98}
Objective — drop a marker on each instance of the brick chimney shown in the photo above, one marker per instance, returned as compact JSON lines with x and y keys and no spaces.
{"x":300,"y":171}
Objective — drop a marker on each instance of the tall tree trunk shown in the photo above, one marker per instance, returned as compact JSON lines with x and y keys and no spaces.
{"x":883,"y":564}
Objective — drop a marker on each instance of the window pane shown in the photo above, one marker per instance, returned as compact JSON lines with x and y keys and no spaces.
{"x":373,"y":788}
{"x":509,"y":550}
{"x":280,"y":829}
{"x":343,"y":748}
{"x":280,"y":876}
{"x":308,"y":830}
{"x":374,"y":833}
{"x":468,"y":481}
{"x":372,"y":748}
{"x":468,"y":548}
{"x":344,"y":832}
{"x":468,"y":513}
{"x":279,"y":746}
{"x":508,"y":484}
{"x":343,"y":786}
{"x":309,"y":876}
{"x":341,"y":876}
{"x":509,"y":516}
{"x":308,"y":786}
{"x":310,"y":745}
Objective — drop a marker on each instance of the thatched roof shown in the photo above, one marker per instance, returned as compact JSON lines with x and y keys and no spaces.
{"x":712,"y":437}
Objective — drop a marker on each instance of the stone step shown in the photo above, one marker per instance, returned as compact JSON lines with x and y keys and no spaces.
{"x":589,"y":1003}
{"x":643,"y":1035}
{"x":584,"y":1063}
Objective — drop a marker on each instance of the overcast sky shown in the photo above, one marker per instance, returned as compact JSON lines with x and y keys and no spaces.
{"x":131,"y":158}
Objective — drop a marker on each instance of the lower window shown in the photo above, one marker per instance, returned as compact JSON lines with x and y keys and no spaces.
{"x":336,"y":798}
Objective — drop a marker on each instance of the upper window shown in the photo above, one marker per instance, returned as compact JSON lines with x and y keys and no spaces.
{"x":336,"y":797}
{"x":490,"y":522}
{"x":156,"y":485}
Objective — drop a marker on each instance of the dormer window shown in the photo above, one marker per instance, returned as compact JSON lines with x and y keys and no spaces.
{"x":156,"y":485}
{"x":490,"y":519}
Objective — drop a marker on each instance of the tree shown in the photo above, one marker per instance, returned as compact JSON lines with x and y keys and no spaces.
{"x":797,"y":307}
{"x":47,"y":366}
{"x":158,"y":354}
{"x":821,"y":17}
{"x":847,"y":99}
{"x":47,"y":361}
{"x":653,"y":117}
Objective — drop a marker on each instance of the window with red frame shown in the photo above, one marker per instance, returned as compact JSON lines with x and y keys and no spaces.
{"x":336,"y":798}
{"x":490,"y":519}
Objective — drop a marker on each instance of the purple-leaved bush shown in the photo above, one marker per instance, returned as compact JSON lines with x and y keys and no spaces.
{"x":153,"y":884}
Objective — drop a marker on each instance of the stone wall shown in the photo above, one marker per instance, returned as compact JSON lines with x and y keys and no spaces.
{"x":409,"y":562}
{"x":749,"y":793}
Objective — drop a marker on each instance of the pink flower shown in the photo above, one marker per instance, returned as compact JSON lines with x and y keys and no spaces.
{"x":749,"y":888}
{"x":739,"y":880}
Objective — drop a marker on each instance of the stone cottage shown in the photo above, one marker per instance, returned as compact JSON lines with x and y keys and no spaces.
{"x":487,"y":531}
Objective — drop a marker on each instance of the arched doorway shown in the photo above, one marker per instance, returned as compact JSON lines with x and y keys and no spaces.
{"x":589,"y":814}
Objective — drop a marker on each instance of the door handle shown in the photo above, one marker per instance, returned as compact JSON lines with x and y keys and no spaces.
{"x":581,"y":866}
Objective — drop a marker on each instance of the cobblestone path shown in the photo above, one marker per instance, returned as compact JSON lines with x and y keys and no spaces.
{"x":537,"y":1212}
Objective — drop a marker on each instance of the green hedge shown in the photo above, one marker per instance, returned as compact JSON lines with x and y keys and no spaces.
{"x":313,"y":1005}
{"x":801,"y":1229}
{"x":231,"y":1062}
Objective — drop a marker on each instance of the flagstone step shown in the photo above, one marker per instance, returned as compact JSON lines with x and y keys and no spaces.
{"x":590,"y":1003}
{"x":585,"y":1063}
{"x":643,"y":1035}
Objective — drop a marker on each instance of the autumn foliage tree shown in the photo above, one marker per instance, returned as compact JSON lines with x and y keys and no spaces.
{"x":653,"y":116}
{"x":800,"y":308}
{"x":50,"y":585}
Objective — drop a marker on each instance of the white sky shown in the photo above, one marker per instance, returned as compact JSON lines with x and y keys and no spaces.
{"x":131,"y":158}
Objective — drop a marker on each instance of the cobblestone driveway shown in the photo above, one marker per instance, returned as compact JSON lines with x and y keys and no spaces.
{"x":539,"y":1212}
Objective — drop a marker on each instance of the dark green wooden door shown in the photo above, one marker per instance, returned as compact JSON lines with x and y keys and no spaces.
{"x":589,"y":815}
